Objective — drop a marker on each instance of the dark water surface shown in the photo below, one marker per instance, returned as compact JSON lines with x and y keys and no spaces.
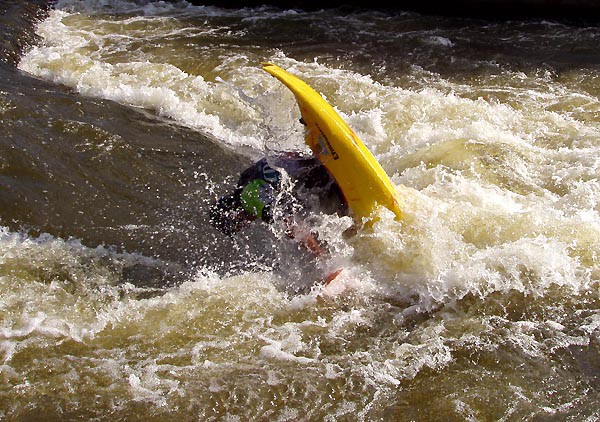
{"x":123,"y":120}
{"x":74,"y":166}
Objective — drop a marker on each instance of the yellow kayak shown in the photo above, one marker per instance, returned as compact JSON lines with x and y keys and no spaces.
{"x":361,"y":178}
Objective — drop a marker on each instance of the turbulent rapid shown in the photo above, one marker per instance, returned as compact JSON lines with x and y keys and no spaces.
{"x":124,"y":121}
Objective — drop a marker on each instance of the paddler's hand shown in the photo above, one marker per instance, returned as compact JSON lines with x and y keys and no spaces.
{"x":311,"y":243}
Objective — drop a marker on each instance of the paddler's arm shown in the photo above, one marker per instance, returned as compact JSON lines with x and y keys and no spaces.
{"x":304,"y":236}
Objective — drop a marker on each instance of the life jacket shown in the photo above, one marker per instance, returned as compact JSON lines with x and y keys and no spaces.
{"x":259,"y":185}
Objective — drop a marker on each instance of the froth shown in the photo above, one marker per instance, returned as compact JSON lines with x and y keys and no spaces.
{"x":480,"y":177}
{"x":69,"y":56}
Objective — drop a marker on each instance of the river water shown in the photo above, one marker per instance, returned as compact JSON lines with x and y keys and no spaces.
{"x":123,"y":120}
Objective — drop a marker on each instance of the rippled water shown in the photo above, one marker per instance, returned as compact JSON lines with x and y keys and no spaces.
{"x":120,"y":302}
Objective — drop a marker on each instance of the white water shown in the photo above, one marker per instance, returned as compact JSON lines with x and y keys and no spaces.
{"x":499,"y":250}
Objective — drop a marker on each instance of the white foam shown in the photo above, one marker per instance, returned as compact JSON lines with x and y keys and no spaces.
{"x":462,"y":164}
{"x":500,"y":196}
{"x":438,"y":40}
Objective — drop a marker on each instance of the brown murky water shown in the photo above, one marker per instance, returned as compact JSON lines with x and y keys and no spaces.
{"x":125,"y":119}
